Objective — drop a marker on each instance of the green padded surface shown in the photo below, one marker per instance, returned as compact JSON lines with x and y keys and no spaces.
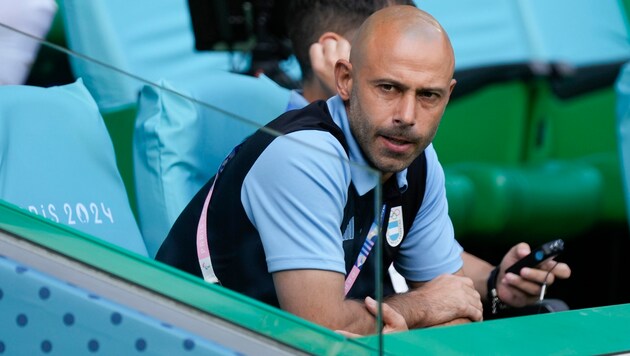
{"x":587,"y":331}
{"x":573,"y":128}
{"x":581,"y":128}
{"x":460,"y":194}
{"x":595,"y":331}
{"x":613,"y":206}
{"x":486,"y":126}
{"x":626,"y":6}
{"x":533,"y":202}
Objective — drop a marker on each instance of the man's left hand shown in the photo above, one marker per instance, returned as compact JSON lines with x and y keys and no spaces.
{"x":524,"y":289}
{"x":392,"y":320}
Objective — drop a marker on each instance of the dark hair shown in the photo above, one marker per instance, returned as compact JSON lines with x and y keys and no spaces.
{"x":307,"y":20}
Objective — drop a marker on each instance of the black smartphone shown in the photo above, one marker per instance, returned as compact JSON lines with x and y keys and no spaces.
{"x":548,"y":250}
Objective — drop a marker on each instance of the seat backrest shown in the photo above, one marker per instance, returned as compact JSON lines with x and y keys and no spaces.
{"x":57,"y":161}
{"x":179,"y":144}
{"x":152,"y":39}
{"x":622,"y":89}
{"x":488,"y":125}
{"x":576,"y":32}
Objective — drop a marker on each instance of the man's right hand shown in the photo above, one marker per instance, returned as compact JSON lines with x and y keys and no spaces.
{"x":445,"y":300}
{"x":324,"y":54}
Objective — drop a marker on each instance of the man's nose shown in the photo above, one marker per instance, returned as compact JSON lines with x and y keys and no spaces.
{"x":406,"y":110}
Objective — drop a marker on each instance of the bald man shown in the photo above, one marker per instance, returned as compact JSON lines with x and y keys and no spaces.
{"x":293,"y":226}
{"x":319,"y":32}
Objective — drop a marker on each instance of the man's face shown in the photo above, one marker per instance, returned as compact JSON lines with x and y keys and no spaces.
{"x":399,"y":91}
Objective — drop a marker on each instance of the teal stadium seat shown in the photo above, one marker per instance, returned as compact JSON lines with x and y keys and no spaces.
{"x":151,"y":39}
{"x":57,"y":161}
{"x":181,"y":139}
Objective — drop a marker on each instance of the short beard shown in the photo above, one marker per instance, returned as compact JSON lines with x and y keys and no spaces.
{"x":361,"y":133}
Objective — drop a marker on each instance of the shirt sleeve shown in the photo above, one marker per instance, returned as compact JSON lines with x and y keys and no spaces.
{"x":295,"y":195}
{"x":430,"y":248}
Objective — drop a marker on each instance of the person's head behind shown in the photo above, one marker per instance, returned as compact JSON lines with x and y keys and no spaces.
{"x":396,"y":85}
{"x":309,"y":19}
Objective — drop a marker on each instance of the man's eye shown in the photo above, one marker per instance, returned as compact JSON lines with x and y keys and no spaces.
{"x":429,"y":96}
{"x":387,"y":87}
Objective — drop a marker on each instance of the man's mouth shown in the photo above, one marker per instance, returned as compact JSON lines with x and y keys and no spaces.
{"x":397,"y":141}
{"x":396,"y":144}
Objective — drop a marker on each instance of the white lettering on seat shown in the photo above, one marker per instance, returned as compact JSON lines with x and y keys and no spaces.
{"x":75,"y":213}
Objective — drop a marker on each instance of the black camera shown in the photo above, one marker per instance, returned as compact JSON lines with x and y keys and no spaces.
{"x":254,"y":26}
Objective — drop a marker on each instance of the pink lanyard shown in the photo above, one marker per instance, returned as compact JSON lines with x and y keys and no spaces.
{"x":203,"y":251}
{"x":369,"y":242}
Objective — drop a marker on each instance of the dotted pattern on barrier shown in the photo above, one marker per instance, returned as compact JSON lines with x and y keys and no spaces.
{"x":40,"y":314}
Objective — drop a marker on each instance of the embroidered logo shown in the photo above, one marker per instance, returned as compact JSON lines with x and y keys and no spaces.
{"x":348,"y":234}
{"x":395,"y":227}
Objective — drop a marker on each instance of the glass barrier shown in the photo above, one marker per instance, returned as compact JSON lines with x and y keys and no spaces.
{"x":161,"y":143}
{"x":149,"y":136}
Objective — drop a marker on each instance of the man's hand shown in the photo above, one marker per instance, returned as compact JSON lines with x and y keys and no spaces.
{"x":324,"y":54}
{"x":524,"y":289}
{"x":440,"y":301}
{"x":394,"y":322}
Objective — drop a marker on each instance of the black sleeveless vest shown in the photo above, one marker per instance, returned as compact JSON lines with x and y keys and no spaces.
{"x":236,"y":250}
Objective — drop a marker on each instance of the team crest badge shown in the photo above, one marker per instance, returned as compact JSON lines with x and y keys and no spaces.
{"x":395,"y":228}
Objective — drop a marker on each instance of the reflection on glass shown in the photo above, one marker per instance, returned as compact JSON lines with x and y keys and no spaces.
{"x":170,"y":137}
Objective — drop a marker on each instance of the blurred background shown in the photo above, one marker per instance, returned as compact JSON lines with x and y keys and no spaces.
{"x":532,"y":141}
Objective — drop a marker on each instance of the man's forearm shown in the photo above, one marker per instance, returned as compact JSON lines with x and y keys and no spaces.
{"x":324,"y":305}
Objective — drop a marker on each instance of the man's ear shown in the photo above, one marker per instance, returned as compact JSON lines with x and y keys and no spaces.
{"x":330,"y":36}
{"x":452,"y":86}
{"x":450,"y":89}
{"x":343,"y":78}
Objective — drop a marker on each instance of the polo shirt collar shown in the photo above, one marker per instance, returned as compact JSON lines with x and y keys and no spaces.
{"x":296,"y":100}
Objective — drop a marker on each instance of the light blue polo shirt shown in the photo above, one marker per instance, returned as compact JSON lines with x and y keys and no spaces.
{"x":298,"y":212}
{"x":296,"y":100}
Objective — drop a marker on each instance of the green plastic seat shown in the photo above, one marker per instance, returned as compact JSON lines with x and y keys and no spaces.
{"x":488,"y":125}
{"x":532,"y":202}
{"x":460,"y":194}
{"x":580,"y":128}
{"x":120,"y":125}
